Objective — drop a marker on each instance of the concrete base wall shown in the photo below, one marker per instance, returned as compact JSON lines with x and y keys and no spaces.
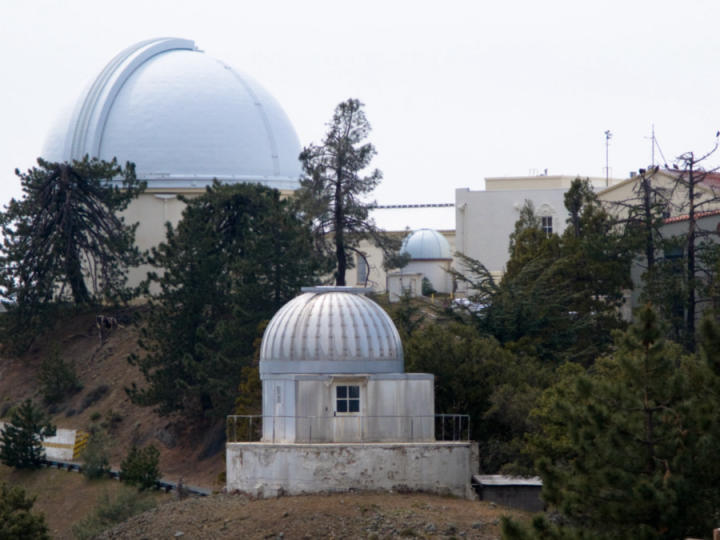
{"x":266,"y":470}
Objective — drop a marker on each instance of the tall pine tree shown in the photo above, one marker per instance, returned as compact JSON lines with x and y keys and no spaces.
{"x":21,"y":438}
{"x":237,"y":255}
{"x":64,"y":240}
{"x":637,"y":457}
{"x":334,"y":188}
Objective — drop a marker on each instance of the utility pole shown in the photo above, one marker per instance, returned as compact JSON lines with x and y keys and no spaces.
{"x":608,"y":135}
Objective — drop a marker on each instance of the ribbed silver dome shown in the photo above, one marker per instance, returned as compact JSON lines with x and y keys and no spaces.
{"x":331,"y":330}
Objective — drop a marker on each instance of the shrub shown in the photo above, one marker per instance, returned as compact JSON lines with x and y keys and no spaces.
{"x":16,"y":520}
{"x":109,"y":512}
{"x":427,"y":288}
{"x":112,"y":420}
{"x":57,"y":378}
{"x":95,"y":395}
{"x":95,"y":457}
{"x":140,"y":467}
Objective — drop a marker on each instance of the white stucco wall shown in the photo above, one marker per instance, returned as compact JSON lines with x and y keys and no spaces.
{"x":485,"y":220}
{"x":266,"y":470}
{"x":152,"y":210}
{"x":393,"y":407}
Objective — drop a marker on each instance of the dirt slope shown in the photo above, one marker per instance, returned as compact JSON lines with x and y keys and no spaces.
{"x":194,"y":454}
{"x":356,"y":515}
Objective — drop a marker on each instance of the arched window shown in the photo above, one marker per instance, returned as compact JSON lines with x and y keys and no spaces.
{"x":362,"y":268}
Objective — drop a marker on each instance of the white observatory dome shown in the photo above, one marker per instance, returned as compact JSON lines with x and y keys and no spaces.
{"x":182,"y":117}
{"x":331,"y":330}
{"x":426,"y":244}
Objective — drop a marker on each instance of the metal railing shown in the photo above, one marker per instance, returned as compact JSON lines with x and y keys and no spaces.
{"x":347,"y":428}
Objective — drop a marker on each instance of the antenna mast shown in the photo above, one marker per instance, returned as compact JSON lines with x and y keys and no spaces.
{"x":608,"y":135}
{"x":652,"y":164}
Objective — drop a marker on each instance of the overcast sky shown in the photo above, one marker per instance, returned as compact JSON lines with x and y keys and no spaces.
{"x":456,"y":91}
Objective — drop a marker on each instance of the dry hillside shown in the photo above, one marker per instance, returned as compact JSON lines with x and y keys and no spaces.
{"x":195,"y":454}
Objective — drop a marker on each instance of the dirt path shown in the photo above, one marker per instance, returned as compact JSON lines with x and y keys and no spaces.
{"x":349,"y":515}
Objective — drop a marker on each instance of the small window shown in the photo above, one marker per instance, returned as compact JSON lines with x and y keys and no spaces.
{"x":348,"y":399}
{"x":546,"y":225}
{"x":362,"y":268}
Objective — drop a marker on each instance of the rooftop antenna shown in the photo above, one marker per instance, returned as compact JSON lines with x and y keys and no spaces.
{"x":655,"y":144}
{"x":608,"y":136}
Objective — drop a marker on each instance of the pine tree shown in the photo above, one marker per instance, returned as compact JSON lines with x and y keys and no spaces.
{"x":141,"y":467}
{"x":333,"y":189}
{"x":21,"y":438}
{"x":642,"y":429}
{"x":63,"y":235}
{"x":17,"y":522}
{"x":237,"y":255}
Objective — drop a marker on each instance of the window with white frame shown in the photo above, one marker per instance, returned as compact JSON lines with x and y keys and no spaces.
{"x":347,"y":398}
{"x":546,"y":225}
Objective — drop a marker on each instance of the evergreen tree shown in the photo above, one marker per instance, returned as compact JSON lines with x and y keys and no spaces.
{"x":17,"y":522}
{"x":141,"y":467}
{"x":642,"y":428}
{"x":237,"y":255}
{"x":560,"y":296}
{"x":474,"y":375}
{"x":334,"y":185}
{"x":21,"y":438}
{"x":64,"y":234}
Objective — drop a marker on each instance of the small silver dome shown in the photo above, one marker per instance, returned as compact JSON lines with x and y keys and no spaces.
{"x":331,"y":330}
{"x":426,"y":244}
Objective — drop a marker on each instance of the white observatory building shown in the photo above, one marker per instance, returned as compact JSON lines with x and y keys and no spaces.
{"x":339,"y":411}
{"x":184,"y":118}
{"x":430,"y":258}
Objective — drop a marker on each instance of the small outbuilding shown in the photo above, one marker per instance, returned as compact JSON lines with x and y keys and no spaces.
{"x":340,"y":413}
{"x":430,"y":261}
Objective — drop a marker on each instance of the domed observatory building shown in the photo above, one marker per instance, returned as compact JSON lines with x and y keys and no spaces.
{"x":184,"y":118}
{"x":430,"y":259}
{"x":340,"y":413}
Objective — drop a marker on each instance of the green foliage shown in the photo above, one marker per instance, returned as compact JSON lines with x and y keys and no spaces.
{"x":17,"y":522}
{"x":21,"y":438}
{"x":474,"y":375}
{"x":57,"y":378}
{"x":111,"y":511}
{"x":407,"y":315}
{"x":96,"y":463}
{"x":333,"y":189}
{"x":560,"y":296}
{"x":238,"y":254}
{"x":427,"y":288}
{"x":632,"y":442}
{"x":64,"y":233}
{"x":140,"y":467}
{"x":94,"y":395}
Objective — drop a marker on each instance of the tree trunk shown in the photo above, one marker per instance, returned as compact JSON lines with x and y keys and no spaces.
{"x":690,"y":314}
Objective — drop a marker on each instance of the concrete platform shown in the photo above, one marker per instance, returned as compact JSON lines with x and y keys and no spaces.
{"x":267,"y":470}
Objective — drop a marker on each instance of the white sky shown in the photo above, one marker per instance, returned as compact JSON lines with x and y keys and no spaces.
{"x":456,"y":91}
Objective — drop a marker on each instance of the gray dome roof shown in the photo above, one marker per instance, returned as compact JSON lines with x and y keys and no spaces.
{"x":331,"y":330}
{"x":182,"y":117}
{"x":426,"y":244}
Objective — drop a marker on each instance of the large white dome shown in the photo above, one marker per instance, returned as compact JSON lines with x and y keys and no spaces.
{"x":426,"y":244}
{"x":331,"y":330}
{"x":182,"y":117}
